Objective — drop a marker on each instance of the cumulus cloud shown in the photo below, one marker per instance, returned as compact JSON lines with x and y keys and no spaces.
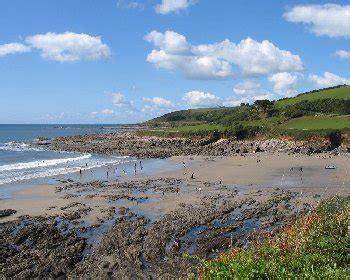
{"x":343,"y":54}
{"x":285,"y":84}
{"x":247,"y":91}
{"x":119,"y":100}
{"x":329,"y":19}
{"x":68,"y":46}
{"x":158,"y":102}
{"x":13,"y":48}
{"x":253,"y":57}
{"x":215,"y":61}
{"x":173,"y":6}
{"x":201,"y":99}
{"x":247,"y":88}
{"x":328,"y":80}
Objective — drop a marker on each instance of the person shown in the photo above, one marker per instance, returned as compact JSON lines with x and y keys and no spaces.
{"x":80,"y":172}
{"x":141,"y":167}
{"x":184,"y":164}
{"x":135,"y":168}
{"x":192,"y":176}
{"x":107,"y":173}
{"x":85,"y":164}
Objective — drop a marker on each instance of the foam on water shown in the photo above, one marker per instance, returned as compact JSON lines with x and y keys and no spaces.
{"x":18,"y":147}
{"x":59,"y":168}
{"x":25,"y":156}
{"x":43,"y":163}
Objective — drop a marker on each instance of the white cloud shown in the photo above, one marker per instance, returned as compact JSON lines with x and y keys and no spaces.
{"x":329,"y":19}
{"x":119,"y":100}
{"x":201,"y":99}
{"x":215,"y":61}
{"x":328,"y":80}
{"x":107,"y":112}
{"x":171,"y":6}
{"x":253,"y":57}
{"x":169,"y":41}
{"x":343,"y":54}
{"x":249,"y":90}
{"x":13,"y":48}
{"x":159,"y":102}
{"x":285,"y":84}
{"x":68,"y":46}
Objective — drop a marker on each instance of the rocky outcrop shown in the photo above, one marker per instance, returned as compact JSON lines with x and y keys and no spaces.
{"x":153,"y":147}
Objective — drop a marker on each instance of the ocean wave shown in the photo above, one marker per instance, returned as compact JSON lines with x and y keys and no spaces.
{"x":41,"y":163}
{"x":57,"y":171}
{"x":18,"y":147}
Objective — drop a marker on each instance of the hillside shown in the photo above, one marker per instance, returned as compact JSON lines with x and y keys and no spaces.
{"x":340,"y":92}
{"x":311,"y":113}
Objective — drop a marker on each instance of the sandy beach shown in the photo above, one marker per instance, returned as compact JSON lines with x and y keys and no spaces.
{"x":151,"y":221}
{"x":253,"y":171}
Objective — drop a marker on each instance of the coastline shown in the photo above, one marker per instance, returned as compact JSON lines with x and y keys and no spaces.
{"x":154,"y":218}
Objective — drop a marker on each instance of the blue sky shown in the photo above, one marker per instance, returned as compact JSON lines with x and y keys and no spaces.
{"x":110,"y":61}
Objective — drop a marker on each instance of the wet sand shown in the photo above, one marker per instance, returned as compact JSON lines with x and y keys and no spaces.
{"x":253,"y":171}
{"x":140,"y":226}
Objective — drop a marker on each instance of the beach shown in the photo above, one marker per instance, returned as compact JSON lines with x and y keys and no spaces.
{"x":151,"y":221}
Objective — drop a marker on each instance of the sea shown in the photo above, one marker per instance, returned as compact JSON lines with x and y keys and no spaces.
{"x":21,"y":161}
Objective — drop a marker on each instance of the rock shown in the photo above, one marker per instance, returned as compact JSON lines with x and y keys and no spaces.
{"x":7,"y":212}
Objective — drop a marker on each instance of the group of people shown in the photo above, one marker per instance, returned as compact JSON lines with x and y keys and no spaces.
{"x":116,"y":170}
{"x":123,"y":172}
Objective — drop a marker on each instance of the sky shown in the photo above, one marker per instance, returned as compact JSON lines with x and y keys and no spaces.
{"x":126,"y":61}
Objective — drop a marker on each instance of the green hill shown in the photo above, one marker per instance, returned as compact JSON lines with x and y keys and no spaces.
{"x":340,"y":92}
{"x":312,"y":113}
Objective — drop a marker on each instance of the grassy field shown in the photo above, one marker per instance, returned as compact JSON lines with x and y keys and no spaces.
{"x":319,"y":122}
{"x":314,"y":247}
{"x":184,"y":130}
{"x":338,"y":93}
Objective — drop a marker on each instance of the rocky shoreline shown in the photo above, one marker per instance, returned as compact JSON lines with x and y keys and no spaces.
{"x":127,"y":242}
{"x":131,"y":144}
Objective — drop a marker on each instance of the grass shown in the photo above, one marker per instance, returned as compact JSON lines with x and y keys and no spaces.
{"x":184,"y":130}
{"x":337,"y":93}
{"x":316,"y":246}
{"x":268,"y":122}
{"x":318,"y":122}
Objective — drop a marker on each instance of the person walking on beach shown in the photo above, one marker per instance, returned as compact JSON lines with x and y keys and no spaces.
{"x":192,"y":176}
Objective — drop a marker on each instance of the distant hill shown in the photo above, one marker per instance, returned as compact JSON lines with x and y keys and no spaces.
{"x":318,"y":111}
{"x":339,"y":92}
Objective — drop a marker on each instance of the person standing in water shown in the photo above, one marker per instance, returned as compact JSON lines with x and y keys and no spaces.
{"x":135,"y":168}
{"x":141,"y":167}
